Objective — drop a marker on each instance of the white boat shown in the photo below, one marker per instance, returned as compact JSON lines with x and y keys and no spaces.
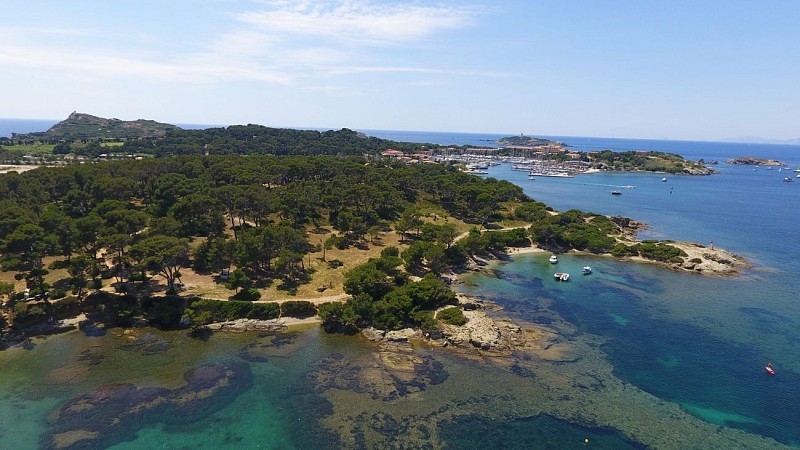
{"x":664,"y":180}
{"x":788,"y":180}
{"x":587,"y":270}
{"x":561,"y":276}
{"x":553,"y":259}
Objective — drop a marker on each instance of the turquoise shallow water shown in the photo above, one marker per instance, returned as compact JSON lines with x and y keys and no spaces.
{"x":696,"y":342}
{"x":710,"y":361}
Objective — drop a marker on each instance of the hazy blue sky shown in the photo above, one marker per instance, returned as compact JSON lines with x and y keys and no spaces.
{"x":699,"y":69}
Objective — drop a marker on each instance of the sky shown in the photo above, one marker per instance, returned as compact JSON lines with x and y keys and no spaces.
{"x":675,"y":69}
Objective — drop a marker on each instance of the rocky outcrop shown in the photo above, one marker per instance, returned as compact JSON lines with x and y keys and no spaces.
{"x":404,"y":335}
{"x":373,"y":334}
{"x":480,"y":331}
{"x":709,"y":260}
{"x":401,"y":335}
{"x":242,"y":325}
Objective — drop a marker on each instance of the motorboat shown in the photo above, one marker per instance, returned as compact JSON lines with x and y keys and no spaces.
{"x":788,"y":180}
{"x":561,"y":276}
{"x":587,"y":270}
{"x":616,"y":192}
{"x":664,"y":180}
{"x":553,"y":259}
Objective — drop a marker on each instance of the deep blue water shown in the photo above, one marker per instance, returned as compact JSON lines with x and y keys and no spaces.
{"x":8,"y":126}
{"x":697,"y":341}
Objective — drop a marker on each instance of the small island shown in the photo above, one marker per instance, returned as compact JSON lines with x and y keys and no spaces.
{"x":527,"y":141}
{"x":752,"y":161}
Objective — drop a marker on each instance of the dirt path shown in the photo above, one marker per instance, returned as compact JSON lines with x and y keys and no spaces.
{"x":314,"y":300}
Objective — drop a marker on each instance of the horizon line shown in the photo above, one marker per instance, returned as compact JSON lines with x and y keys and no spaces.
{"x":755,"y":140}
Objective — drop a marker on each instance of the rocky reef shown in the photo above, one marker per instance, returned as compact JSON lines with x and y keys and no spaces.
{"x":114,"y":413}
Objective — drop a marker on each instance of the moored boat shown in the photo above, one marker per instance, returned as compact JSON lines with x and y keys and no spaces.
{"x":553,"y":259}
{"x":561,"y":276}
{"x":587,"y":270}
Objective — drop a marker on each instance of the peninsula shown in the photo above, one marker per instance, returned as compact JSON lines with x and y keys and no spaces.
{"x":217,"y":231}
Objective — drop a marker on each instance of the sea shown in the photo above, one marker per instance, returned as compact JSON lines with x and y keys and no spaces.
{"x":633,"y":355}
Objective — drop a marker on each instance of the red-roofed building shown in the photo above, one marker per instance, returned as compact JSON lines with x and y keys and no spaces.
{"x":392,"y":153}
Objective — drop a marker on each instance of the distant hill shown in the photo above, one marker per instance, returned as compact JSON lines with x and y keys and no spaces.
{"x":86,"y":126}
{"x":761,"y":140}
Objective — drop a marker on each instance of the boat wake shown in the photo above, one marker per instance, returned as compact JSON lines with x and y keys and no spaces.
{"x":627,"y":186}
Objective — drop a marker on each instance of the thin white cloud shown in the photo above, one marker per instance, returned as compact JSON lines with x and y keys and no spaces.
{"x":358,"y":21}
{"x":280,"y":42}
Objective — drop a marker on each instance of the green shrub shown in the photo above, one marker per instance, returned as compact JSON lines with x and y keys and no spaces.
{"x":452,"y":316}
{"x":338,"y":317}
{"x":620,"y":250}
{"x":202,"y":311}
{"x":531,"y":212}
{"x":163,"y":311}
{"x":425,"y":321}
{"x":57,"y":293}
{"x":116,"y":308}
{"x":66,"y":307}
{"x":26,"y":314}
{"x":247,"y":295}
{"x":264,"y":311}
{"x":298,"y":308}
{"x":659,"y":251}
{"x":137,"y":276}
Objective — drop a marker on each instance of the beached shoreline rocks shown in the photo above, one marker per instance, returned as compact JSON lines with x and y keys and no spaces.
{"x":244,"y":325}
